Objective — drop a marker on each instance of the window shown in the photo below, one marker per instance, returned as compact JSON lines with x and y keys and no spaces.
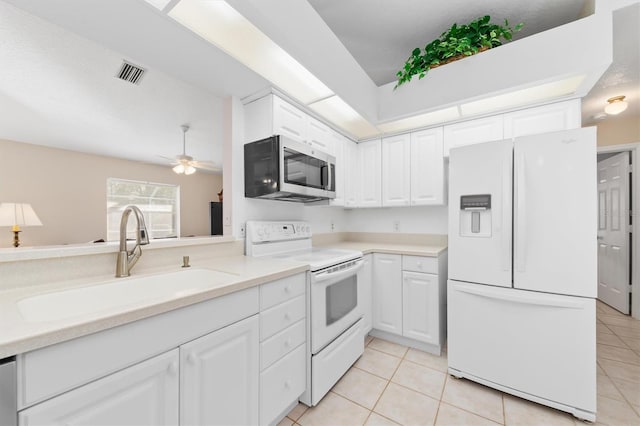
{"x":160,"y":204}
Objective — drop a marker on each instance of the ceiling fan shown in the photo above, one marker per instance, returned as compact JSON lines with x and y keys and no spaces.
{"x":185,"y":164}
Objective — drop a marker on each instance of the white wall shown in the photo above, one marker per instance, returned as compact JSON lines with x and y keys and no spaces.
{"x":411,"y":220}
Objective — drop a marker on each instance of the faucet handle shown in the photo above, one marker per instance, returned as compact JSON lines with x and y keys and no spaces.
{"x":144,"y":237}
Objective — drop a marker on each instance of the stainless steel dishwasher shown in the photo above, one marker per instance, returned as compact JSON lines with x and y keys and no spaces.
{"x":8,"y":392}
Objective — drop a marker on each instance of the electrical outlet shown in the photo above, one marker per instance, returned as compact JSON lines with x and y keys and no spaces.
{"x":241,"y":231}
{"x":333,"y":226}
{"x":396,"y":226}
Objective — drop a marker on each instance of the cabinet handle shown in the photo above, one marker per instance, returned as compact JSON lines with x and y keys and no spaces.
{"x":173,"y":368}
{"x":287,"y":343}
{"x":419,"y":265}
{"x":287,"y":384}
{"x":287,"y":317}
{"x":191,"y":358}
{"x":287,"y":289}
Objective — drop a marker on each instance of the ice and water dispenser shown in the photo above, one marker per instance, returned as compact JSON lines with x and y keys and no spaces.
{"x":475,"y":215}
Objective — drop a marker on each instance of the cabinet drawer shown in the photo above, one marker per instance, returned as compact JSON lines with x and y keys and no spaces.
{"x":282,"y":384}
{"x":281,"y":316}
{"x":279,"y":291}
{"x":420,"y":264}
{"x":281,"y":344}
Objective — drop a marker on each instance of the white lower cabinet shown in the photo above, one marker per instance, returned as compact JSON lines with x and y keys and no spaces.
{"x":143,"y":394}
{"x":365,"y":289}
{"x":219,"y":376}
{"x":420,"y":310}
{"x":197,"y":365}
{"x":409,"y":300}
{"x":283,"y":367}
{"x":387,"y":292}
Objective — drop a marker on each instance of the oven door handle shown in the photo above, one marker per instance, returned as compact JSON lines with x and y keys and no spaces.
{"x":326,"y":276}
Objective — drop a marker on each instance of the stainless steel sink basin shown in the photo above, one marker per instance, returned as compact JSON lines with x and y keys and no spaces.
{"x":119,"y":293}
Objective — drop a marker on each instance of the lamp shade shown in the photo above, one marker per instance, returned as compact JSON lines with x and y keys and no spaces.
{"x":21,"y":214}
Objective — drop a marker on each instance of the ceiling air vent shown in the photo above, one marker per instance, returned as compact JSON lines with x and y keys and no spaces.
{"x":131,"y":73}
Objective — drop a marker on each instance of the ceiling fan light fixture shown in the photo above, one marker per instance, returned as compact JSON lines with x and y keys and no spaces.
{"x":616,"y":105}
{"x":179,"y":169}
{"x":189,"y":170}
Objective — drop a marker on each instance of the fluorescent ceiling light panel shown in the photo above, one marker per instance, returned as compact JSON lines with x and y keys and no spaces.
{"x":220,"y":24}
{"x":422,"y":120}
{"x":344,"y":116}
{"x":526,"y":96}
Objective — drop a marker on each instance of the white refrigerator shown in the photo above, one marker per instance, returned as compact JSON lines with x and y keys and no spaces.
{"x":523,"y":267}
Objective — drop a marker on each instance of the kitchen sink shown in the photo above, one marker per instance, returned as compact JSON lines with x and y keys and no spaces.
{"x":120,"y":293}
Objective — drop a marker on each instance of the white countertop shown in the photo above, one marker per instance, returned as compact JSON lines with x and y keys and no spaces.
{"x":18,"y":335}
{"x":390,"y":248}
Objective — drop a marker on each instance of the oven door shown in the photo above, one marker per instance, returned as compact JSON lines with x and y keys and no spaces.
{"x":305,"y":170}
{"x":335,"y":303}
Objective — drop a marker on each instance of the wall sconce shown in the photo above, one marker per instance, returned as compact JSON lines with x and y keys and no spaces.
{"x":616,"y":105}
{"x":17,"y":215}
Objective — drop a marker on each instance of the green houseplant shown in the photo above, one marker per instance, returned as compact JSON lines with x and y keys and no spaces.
{"x":456,"y":43}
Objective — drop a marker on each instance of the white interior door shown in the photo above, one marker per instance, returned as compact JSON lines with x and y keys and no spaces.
{"x":613,"y":231}
{"x":555,"y":212}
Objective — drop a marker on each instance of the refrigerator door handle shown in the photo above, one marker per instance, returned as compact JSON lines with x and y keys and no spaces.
{"x":520,"y":213}
{"x":528,"y":298}
{"x":506,"y":209}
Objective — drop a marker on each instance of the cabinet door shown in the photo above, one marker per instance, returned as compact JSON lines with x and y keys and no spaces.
{"x":473,"y":131}
{"x":370,"y":191}
{"x":544,"y":119}
{"x":219,"y":377}
{"x":320,"y":136}
{"x":339,"y":148}
{"x":427,"y":168}
{"x":396,"y":173}
{"x":365,"y":288}
{"x":387,"y":292}
{"x":352,"y":174}
{"x":144,"y":394}
{"x":420,"y":304}
{"x":289,"y":120}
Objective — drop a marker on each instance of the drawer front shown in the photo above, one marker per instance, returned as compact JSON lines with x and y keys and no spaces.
{"x":49,"y":371}
{"x":281,"y":344}
{"x":420,"y":264}
{"x":281,"y":316}
{"x":282,"y":290}
{"x":282,"y":384}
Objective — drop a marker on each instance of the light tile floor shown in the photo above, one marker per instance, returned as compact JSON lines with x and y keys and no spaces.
{"x":391,"y":384}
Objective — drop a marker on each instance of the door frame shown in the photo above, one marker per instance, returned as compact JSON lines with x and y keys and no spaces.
{"x":634,"y":149}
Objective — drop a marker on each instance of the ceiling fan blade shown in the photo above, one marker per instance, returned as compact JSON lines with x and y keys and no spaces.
{"x":206,"y":165}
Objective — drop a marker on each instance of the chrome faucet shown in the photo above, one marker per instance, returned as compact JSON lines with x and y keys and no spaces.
{"x":126,"y":258}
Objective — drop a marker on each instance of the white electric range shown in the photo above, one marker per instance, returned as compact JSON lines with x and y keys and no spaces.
{"x":334,"y":317}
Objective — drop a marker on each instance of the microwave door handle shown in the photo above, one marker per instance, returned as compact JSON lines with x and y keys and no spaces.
{"x":330,"y":176}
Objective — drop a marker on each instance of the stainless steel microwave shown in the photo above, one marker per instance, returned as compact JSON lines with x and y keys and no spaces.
{"x":283,"y":169}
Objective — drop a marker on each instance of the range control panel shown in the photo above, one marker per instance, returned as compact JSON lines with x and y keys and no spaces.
{"x":258,"y":231}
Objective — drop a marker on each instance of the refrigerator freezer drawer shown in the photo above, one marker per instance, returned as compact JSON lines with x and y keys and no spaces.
{"x":536,"y":344}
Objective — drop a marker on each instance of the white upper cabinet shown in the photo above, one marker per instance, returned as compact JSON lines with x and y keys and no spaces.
{"x":339,"y":148}
{"x":543,"y":119}
{"x":272,"y":115}
{"x":396,"y":173}
{"x":473,"y":131}
{"x":351,"y":173}
{"x":320,"y":136}
{"x":427,"y":167}
{"x":289,"y":120}
{"x":370,"y":176}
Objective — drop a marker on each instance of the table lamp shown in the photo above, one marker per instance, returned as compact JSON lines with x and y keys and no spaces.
{"x":17,"y":215}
